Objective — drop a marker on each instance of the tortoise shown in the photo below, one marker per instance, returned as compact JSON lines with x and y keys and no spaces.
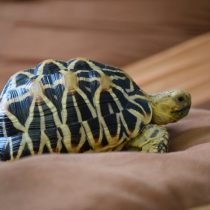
{"x":83,"y":106}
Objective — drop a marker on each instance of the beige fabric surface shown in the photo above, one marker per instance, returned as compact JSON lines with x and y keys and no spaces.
{"x":124,"y":180}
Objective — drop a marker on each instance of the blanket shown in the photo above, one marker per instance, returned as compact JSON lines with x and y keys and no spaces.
{"x":177,"y":180}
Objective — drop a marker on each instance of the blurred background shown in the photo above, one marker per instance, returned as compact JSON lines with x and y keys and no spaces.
{"x":119,"y":32}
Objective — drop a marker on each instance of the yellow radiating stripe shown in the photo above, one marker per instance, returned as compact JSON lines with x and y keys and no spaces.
{"x":42,"y":65}
{"x":43,"y":127}
{"x":113,"y":140}
{"x":11,"y":148}
{"x":81,"y":71}
{"x":89,"y":79}
{"x":114,"y":71}
{"x":28,"y":74}
{"x":25,"y":140}
{"x":100,"y":133}
{"x":131,"y":89}
{"x":147,"y":116}
{"x":60,"y":65}
{"x":42,"y":118}
{"x":82,"y":138}
{"x":92,"y":79}
{"x":85,"y":98}
{"x":72,"y":64}
{"x":21,"y":147}
{"x":116,"y":146}
{"x":45,"y":62}
{"x":57,"y":82}
{"x":118,"y":126}
{"x":15,"y":122}
{"x":124,"y":123}
{"x":124,"y":139}
{"x":117,"y":77}
{"x":99,"y":114}
{"x":79,"y":116}
{"x":26,"y":136}
{"x":94,"y":67}
{"x":59,"y":143}
{"x":4,"y":128}
{"x":138,"y":96}
{"x":128,"y":98}
{"x":139,"y":120}
{"x":19,"y":98}
{"x":90,"y":137}
{"x":44,"y":141}
{"x":64,"y":104}
{"x":30,"y":115}
{"x":116,"y":100}
{"x":66,"y":137}
{"x":131,"y":100}
{"x":53,"y":110}
{"x":111,"y":111}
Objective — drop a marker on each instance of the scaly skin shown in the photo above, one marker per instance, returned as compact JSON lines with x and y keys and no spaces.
{"x":170,"y":106}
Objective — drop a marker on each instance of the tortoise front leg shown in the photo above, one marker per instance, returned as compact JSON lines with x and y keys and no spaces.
{"x":153,"y":138}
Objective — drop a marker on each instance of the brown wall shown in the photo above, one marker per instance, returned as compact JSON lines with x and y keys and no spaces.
{"x":113,"y":31}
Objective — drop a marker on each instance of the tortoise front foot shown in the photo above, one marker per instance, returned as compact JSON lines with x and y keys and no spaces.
{"x":153,"y":138}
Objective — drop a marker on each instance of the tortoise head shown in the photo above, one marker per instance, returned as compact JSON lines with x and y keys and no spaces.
{"x":170,"y":106}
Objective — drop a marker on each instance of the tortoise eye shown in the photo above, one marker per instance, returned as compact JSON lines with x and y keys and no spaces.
{"x":180,"y":99}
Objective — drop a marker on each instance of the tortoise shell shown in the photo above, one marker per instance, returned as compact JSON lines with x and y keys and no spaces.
{"x":67,"y":107}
